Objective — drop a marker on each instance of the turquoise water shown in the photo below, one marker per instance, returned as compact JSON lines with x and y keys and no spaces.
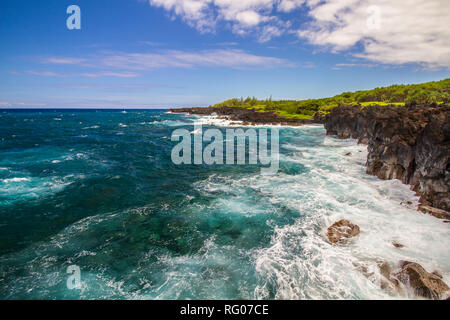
{"x":98,"y":190}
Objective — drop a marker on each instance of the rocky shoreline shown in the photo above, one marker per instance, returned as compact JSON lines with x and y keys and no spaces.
{"x":410,"y":143}
{"x":246,"y":116}
{"x":400,"y":279}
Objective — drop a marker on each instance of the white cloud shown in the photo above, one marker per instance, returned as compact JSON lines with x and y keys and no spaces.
{"x":87,"y":75}
{"x":248,"y":18}
{"x":405,"y":31}
{"x":269,"y":32}
{"x":21,"y":104}
{"x":64,"y":60}
{"x":111,"y":74}
{"x":150,"y":43}
{"x":229,"y":58}
{"x":289,"y":5}
{"x":125,"y":65}
{"x":44,"y":73}
{"x":244,"y":15}
{"x":194,"y":12}
{"x":142,"y":86}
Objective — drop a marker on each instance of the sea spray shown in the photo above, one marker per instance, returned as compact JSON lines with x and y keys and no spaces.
{"x":141,"y":227}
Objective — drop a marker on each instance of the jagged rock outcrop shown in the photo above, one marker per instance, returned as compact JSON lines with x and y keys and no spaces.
{"x":247,"y":116}
{"x":407,"y":276}
{"x":424,"y":284}
{"x":410,"y":143}
{"x":341,"y":231}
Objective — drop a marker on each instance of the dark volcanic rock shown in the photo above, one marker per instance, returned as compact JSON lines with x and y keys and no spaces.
{"x":410,"y":143}
{"x":247,"y":116}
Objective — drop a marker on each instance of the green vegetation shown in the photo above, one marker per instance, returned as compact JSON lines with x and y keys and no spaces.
{"x":429,"y":92}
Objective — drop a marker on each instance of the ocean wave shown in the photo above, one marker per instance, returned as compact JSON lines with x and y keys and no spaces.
{"x":17,"y":189}
{"x":301,"y":264}
{"x":218,"y":232}
{"x":15,"y":180}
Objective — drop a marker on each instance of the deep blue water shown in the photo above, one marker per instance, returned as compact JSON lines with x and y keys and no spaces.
{"x":97,"y":189}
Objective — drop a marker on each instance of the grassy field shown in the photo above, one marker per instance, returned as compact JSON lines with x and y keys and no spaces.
{"x":435,"y":91}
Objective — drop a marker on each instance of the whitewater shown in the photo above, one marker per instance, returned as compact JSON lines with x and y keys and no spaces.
{"x":98,"y":190}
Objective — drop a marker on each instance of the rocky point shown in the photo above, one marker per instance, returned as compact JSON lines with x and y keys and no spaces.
{"x":410,"y":143}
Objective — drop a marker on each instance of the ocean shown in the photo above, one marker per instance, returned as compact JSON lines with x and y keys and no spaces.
{"x":97,"y":189}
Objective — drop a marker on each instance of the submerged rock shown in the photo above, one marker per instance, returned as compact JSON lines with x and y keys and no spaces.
{"x":424,"y":284}
{"x":438,"y":213}
{"x":389,"y":282}
{"x":410,"y":275}
{"x":397,"y":245}
{"x":341,"y":231}
{"x":383,"y":277}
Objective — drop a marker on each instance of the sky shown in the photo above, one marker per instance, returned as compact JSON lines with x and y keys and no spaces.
{"x":182,"y":53}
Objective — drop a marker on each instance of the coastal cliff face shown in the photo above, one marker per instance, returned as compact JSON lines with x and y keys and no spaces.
{"x":410,"y":143}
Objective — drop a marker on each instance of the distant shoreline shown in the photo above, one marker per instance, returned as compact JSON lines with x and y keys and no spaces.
{"x":79,"y":109}
{"x":245,"y":116}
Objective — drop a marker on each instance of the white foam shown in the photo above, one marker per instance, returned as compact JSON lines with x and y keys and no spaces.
{"x":24,"y":188}
{"x":212,"y":120}
{"x":15,"y":180}
{"x":221,"y":121}
{"x":303,"y":265}
{"x":300,"y":263}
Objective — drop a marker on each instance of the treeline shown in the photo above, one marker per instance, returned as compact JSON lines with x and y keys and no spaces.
{"x":429,"y":92}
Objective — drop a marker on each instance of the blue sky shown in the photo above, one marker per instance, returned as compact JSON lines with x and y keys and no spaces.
{"x":168,"y":53}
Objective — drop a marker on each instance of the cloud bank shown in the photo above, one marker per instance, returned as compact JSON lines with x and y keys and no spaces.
{"x":228,"y":58}
{"x":126,"y":65}
{"x":384,"y":31}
